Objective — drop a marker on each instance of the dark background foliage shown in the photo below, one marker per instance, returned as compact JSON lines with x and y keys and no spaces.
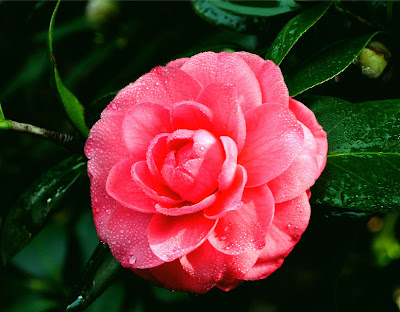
{"x":346,"y":260}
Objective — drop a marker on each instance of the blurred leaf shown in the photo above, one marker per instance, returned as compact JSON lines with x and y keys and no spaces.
{"x":1,"y":113}
{"x":293,"y":30}
{"x":99,"y":273}
{"x":323,"y":64}
{"x":46,"y":253}
{"x":33,"y":208}
{"x":363,"y":164}
{"x":72,"y":106}
{"x":257,"y":8}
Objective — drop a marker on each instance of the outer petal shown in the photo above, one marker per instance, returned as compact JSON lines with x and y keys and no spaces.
{"x":226,"y":68}
{"x":244,"y":230}
{"x":152,"y":187}
{"x":122,"y":187}
{"x":191,"y":116}
{"x":163,"y":85}
{"x":105,"y":147}
{"x":290,"y":221}
{"x":103,"y":206}
{"x":127,"y":238}
{"x":230,"y":199}
{"x":173,"y":237}
{"x":172,"y":276}
{"x":269,"y":75}
{"x":307,"y":117}
{"x":141,"y":124}
{"x":211,"y":266}
{"x":300,"y":175}
{"x":177,"y":63}
{"x":228,"y":119}
{"x":274,"y":139}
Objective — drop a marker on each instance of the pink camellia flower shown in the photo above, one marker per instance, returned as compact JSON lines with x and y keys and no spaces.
{"x":200,"y":171}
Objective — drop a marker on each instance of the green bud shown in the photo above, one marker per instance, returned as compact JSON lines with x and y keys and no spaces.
{"x":374,"y":59}
{"x":99,"y":12}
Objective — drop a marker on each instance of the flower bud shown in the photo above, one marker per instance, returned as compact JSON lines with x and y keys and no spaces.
{"x":374,"y":59}
{"x":99,"y":12}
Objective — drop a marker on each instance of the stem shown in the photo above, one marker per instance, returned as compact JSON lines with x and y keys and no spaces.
{"x":71,"y":143}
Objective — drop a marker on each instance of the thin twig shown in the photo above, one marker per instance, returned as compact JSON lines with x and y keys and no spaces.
{"x":71,"y":143}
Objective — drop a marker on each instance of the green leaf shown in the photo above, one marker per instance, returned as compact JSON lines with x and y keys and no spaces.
{"x":72,"y":106}
{"x":363,"y":163}
{"x":293,"y":30}
{"x":323,"y":64}
{"x":1,"y":113}
{"x":99,"y":273}
{"x":256,"y":8}
{"x":33,"y":208}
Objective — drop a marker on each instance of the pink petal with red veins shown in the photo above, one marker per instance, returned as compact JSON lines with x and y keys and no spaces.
{"x":141,"y":124}
{"x":307,"y":117}
{"x":269,"y":75}
{"x":208,"y":264}
{"x":173,"y":237}
{"x":228,"y":119}
{"x":226,"y":68}
{"x":228,"y":171}
{"x":127,"y":238}
{"x":191,"y":116}
{"x":156,"y":154}
{"x":105,"y":146}
{"x":177,"y":63}
{"x":152,"y":187}
{"x":290,"y":221}
{"x":122,"y":187}
{"x":300,"y":175}
{"x":186,"y":207}
{"x":230,"y":199}
{"x":244,"y":230}
{"x":172,"y":276}
{"x":163,"y":85}
{"x":274,"y":139}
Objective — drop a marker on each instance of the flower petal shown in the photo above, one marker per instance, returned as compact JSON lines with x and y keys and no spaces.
{"x":307,"y":117}
{"x":219,"y":266}
{"x":163,"y":85}
{"x":300,"y":175}
{"x":228,"y":170}
{"x":173,"y":237}
{"x":228,"y":119}
{"x":230,"y":199}
{"x":156,"y":153}
{"x":151,"y":187}
{"x":172,"y":276}
{"x":177,"y":63}
{"x":244,"y":230}
{"x":122,"y":187}
{"x":105,"y":146}
{"x":186,"y":207}
{"x":142,"y":123}
{"x":269,"y":75}
{"x":274,"y":139}
{"x":191,"y":116}
{"x":127,"y":238}
{"x":224,"y":67}
{"x":290,"y":221}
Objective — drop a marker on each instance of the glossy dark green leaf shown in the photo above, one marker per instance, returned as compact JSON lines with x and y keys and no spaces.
{"x":242,"y":15}
{"x":257,"y":8}
{"x":293,"y":30}
{"x":72,"y":105}
{"x":323,"y":64}
{"x":31,"y":211}
{"x":99,"y":273}
{"x":363,"y":164}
